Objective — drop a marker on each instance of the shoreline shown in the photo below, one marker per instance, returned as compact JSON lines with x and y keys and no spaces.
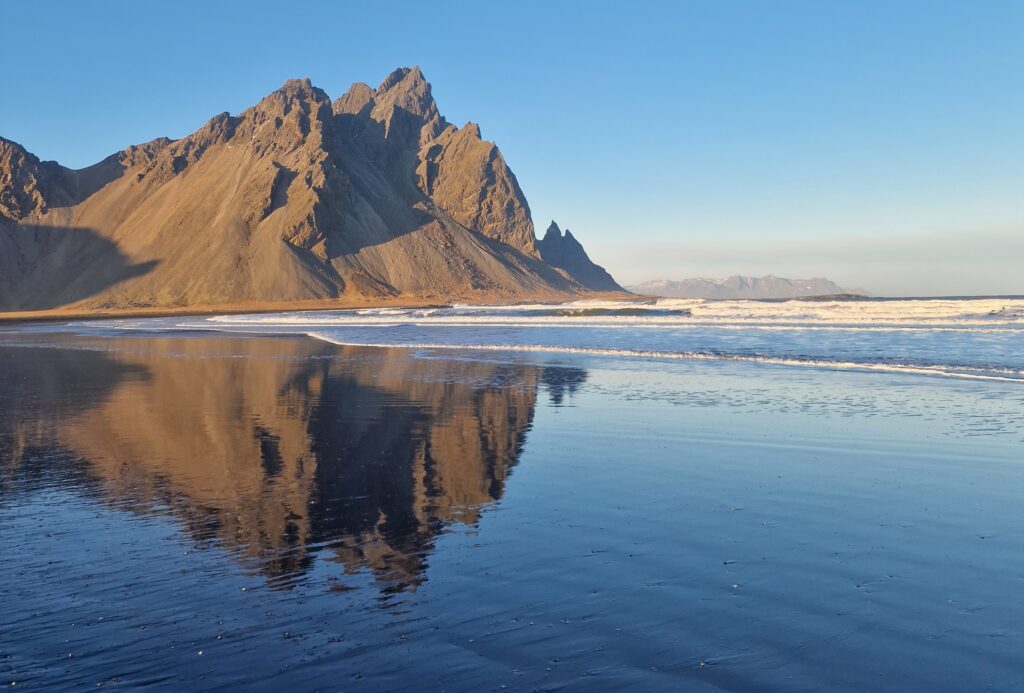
{"x":269,"y":307}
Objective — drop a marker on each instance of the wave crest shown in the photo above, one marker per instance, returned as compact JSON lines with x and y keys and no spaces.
{"x":949,"y":371}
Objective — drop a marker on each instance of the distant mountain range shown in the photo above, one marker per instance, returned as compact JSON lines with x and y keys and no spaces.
{"x":742,"y":287}
{"x":299,"y":198}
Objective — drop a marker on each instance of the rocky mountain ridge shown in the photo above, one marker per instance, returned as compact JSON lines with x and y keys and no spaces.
{"x":566,"y":253}
{"x":740,"y":287}
{"x":297,"y":198}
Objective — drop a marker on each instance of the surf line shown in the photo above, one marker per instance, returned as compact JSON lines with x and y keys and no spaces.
{"x":909,"y":369}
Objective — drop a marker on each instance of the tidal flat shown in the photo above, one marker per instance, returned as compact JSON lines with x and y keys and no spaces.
{"x":203,"y":511}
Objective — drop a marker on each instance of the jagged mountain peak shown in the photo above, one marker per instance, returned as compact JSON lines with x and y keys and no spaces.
{"x":294,"y":93}
{"x":405,"y":79}
{"x":10,"y":148}
{"x":393,"y":78}
{"x":294,"y":198}
{"x":405,"y":88}
{"x":555,"y":234}
{"x":354,"y":101}
{"x":566,"y":253}
{"x":301,"y":86}
{"x":29,"y":186}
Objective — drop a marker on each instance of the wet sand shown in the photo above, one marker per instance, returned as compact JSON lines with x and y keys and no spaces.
{"x":346,"y":303}
{"x":209,"y":511}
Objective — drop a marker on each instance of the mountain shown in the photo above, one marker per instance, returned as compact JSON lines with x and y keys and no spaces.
{"x":741,"y":287}
{"x":297,"y":198}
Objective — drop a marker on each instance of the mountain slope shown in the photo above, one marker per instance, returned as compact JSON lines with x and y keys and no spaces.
{"x":739,"y":287}
{"x":567,"y":254}
{"x":296,"y":198}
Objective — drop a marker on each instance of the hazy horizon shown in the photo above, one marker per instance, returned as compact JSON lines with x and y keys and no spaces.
{"x":876,"y":145}
{"x":854,"y":263}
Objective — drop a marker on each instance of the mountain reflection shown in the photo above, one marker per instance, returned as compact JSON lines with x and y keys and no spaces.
{"x":283,"y":451}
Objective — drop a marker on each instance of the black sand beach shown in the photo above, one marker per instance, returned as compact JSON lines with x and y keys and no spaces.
{"x":188,"y":511}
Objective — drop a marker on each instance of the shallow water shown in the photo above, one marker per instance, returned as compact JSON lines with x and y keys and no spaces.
{"x":197,"y":511}
{"x":980,"y":338}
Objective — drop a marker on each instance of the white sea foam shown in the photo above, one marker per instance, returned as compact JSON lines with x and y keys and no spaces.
{"x":976,"y":339}
{"x":1000,"y":375}
{"x":680,"y":313}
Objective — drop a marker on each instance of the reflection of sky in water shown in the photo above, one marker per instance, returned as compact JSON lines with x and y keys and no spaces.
{"x":995,"y":350}
{"x":873,"y":405}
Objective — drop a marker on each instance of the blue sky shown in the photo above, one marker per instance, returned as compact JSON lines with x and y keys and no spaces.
{"x":880,"y":144}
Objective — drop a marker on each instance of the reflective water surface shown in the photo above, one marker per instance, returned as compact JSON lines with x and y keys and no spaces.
{"x":201,"y":511}
{"x":278,"y":449}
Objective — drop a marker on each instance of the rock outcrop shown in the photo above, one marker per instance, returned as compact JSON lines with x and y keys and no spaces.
{"x":568,"y":255}
{"x":455,"y":168}
{"x":296,"y":198}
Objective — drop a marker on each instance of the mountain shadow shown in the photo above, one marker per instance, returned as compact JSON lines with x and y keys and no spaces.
{"x":44,"y":267}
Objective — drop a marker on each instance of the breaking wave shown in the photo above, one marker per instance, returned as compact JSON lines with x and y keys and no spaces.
{"x":886,"y":314}
{"x":976,"y":339}
{"x":950,"y":371}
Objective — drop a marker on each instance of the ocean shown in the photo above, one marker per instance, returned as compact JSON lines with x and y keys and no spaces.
{"x":677,"y":494}
{"x":979,"y":338}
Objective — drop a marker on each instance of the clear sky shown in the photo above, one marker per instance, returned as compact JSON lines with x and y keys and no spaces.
{"x":880,"y":144}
